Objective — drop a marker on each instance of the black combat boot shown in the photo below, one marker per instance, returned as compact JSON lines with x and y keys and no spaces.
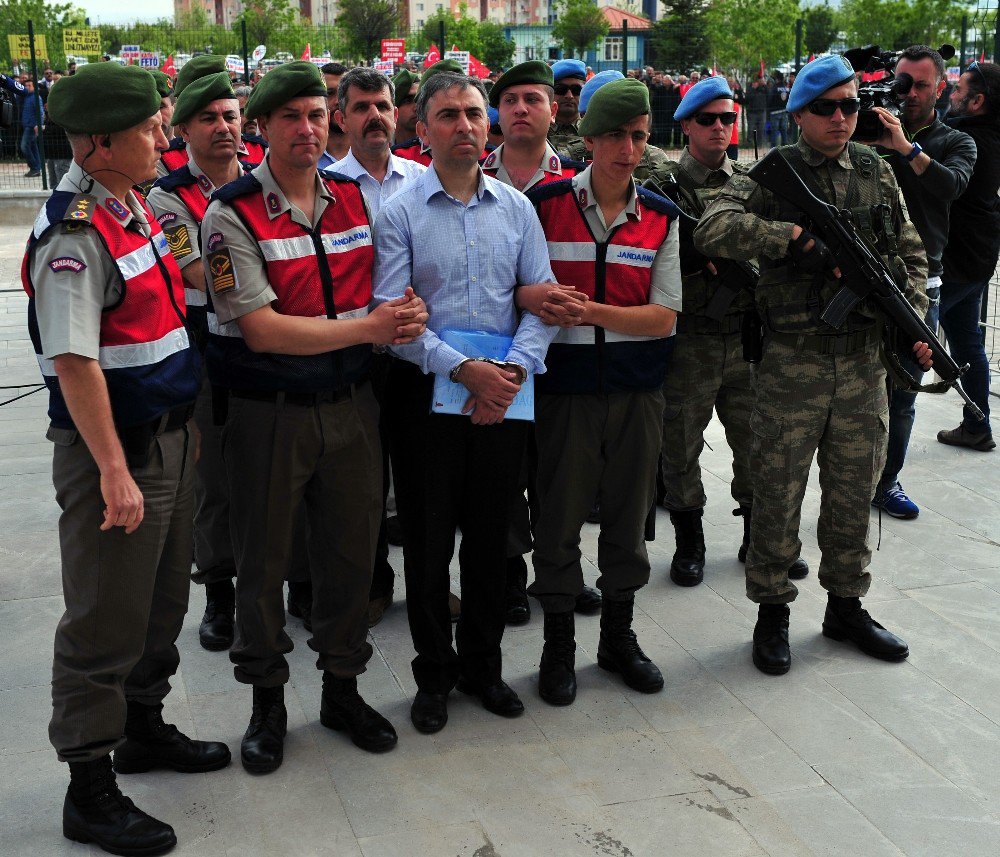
{"x":151,"y":743}
{"x":588,"y":602}
{"x":688,"y":566}
{"x":343,"y":709}
{"x":96,"y":811}
{"x":556,"y":678}
{"x":846,"y":619}
{"x":216,"y":630}
{"x":618,"y":649}
{"x":771,"y":653}
{"x":518,"y":609}
{"x":263,"y":748}
{"x":300,"y":602}
{"x":796,"y":571}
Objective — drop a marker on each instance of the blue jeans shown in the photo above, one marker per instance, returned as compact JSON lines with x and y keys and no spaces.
{"x":960,"y":309}
{"x":29,"y":148}
{"x":779,"y":128}
{"x":902,"y":406}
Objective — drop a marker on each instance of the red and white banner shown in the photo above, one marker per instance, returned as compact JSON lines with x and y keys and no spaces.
{"x":393,"y":50}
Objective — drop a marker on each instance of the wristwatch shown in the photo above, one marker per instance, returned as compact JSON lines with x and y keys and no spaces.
{"x":916,"y":150}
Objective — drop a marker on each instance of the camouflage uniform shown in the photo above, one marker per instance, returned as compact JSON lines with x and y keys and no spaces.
{"x":707,"y":369}
{"x":561,"y":134}
{"x":572,"y":146}
{"x":818,"y":390}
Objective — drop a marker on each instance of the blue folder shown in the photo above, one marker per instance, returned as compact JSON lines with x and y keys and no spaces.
{"x":450,"y":397}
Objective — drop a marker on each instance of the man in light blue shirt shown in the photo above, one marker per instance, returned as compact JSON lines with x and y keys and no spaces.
{"x":366,"y":112}
{"x":465,"y":242}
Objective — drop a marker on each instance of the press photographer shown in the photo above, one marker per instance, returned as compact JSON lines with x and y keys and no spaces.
{"x":932,"y":164}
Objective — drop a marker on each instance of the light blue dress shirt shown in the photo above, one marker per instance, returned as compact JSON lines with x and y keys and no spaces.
{"x":399,"y":174}
{"x":465,"y":262}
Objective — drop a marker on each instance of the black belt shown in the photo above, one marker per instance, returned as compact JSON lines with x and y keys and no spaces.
{"x":306,"y":400}
{"x":731,"y":323}
{"x":136,"y":439}
{"x":845,"y":343}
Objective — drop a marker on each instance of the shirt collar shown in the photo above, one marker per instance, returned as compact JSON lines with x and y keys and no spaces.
{"x":351,"y":167}
{"x":432,"y":184}
{"x":275,"y":200}
{"x":585,"y":194}
{"x":698,"y":171}
{"x":817,"y":159}
{"x":550,"y":160}
{"x":77,"y":181}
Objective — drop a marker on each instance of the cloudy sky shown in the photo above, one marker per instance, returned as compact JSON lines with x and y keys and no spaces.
{"x":115,"y":12}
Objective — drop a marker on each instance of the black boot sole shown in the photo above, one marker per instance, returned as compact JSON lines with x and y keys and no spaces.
{"x":769,"y":669}
{"x":841,"y":637}
{"x":213,"y":646}
{"x":338,"y":724}
{"x":611,"y":665}
{"x":262,"y":767}
{"x":77,"y":835}
{"x":556,"y":700}
{"x":685,"y":579}
{"x":149,"y":763}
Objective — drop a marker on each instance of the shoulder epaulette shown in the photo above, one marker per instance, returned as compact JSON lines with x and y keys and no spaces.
{"x":541,"y":192}
{"x":657,"y":202}
{"x":254,"y":138}
{"x":241,"y":187}
{"x":181,"y":177}
{"x":407,"y":144}
{"x":177,"y":144}
{"x":74,"y":207}
{"x":333,"y":175}
{"x":571,"y":163}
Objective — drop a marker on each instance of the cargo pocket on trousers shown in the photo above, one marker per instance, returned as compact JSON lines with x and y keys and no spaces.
{"x":770,"y":461}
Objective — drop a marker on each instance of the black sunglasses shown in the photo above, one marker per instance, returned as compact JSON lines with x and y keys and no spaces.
{"x":563,"y":88}
{"x":708,"y":119}
{"x":828,"y":106}
{"x":974,"y":66}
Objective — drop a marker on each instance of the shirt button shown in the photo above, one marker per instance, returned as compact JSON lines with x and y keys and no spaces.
{"x":475,"y":314}
{"x":472,"y":243}
{"x":473,"y":279}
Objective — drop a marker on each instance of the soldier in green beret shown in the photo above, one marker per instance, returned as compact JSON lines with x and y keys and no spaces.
{"x":599,"y":405}
{"x":406,"y":84}
{"x":106,"y":303}
{"x":197,"y":67}
{"x":165,"y":88}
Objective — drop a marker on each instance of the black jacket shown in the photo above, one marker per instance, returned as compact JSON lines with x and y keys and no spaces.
{"x":974,"y":233}
{"x":930,"y":196}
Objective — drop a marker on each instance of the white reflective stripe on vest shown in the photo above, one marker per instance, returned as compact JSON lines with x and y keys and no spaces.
{"x":195,"y":297}
{"x":572,"y":251}
{"x":232,"y":329}
{"x":584,"y":335}
{"x":301,"y":246}
{"x":130,"y":356}
{"x":137,"y":262}
{"x":622,"y":254}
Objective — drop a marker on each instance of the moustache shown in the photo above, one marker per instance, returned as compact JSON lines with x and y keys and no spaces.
{"x":376,"y":125}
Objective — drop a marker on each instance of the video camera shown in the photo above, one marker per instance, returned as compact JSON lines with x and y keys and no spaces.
{"x":889,"y":92}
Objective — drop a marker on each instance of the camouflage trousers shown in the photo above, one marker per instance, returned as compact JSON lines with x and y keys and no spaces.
{"x":706,"y":371}
{"x":833,"y":406}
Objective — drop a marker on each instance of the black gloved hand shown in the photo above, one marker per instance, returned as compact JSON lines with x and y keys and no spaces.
{"x":817,"y":258}
{"x":692,"y":262}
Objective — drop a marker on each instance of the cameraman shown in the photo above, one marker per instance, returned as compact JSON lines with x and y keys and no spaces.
{"x":932,"y":164}
{"x":970,"y":256}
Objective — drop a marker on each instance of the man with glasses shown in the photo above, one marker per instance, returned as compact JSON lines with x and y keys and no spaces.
{"x":707,"y":370}
{"x":932,"y":164}
{"x":819,"y":389}
{"x":970,"y":256}
{"x":568,"y":78}
{"x":405,"y":86}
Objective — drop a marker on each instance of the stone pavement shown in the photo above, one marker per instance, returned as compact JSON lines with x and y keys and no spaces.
{"x":844,"y":755}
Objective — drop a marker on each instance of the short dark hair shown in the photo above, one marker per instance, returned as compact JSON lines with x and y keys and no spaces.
{"x":333,"y":68}
{"x":365,"y":80}
{"x":446,"y":80}
{"x":925,"y":52}
{"x":984,"y":80}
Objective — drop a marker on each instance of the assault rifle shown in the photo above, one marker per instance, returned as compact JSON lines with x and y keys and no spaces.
{"x":865,"y":274}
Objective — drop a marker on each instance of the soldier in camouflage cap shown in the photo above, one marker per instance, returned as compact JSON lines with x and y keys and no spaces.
{"x":819,"y":389}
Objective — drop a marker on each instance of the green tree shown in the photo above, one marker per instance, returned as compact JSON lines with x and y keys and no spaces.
{"x":820,"y":29}
{"x":579,"y":25}
{"x":463,"y":32}
{"x":895,"y":24}
{"x":497,"y":49}
{"x":48,"y":19}
{"x":680,"y":37}
{"x":267,"y":19}
{"x":365,"y":23}
{"x":743,"y":32}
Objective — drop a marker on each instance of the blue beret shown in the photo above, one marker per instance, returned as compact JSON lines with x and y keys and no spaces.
{"x":595,"y":83}
{"x":569,"y":68}
{"x":816,"y":78}
{"x":493,"y":115}
{"x":701,"y":94}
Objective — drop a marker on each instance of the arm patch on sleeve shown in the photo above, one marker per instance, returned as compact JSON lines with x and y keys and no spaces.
{"x":179,"y":241}
{"x":221,"y":270}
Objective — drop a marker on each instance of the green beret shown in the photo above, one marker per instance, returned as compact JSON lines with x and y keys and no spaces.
{"x":201,"y":92}
{"x":444,"y":65}
{"x":104,"y":97}
{"x":533,"y":71}
{"x":164,"y":85}
{"x":613,"y":105}
{"x":402,"y":83}
{"x":282,"y":84}
{"x":198,"y":67}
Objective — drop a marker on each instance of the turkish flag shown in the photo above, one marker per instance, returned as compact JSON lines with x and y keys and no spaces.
{"x":307,"y":53}
{"x":433,"y":56}
{"x":763,"y":73}
{"x":477,"y":69}
{"x":982,"y":56}
{"x":168,"y":66}
{"x":811,"y":58}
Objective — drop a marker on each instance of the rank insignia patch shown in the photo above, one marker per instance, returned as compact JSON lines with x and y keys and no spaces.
{"x":273,"y":203}
{"x":82,"y":207}
{"x":204,"y":184}
{"x":179,"y":241}
{"x":116,"y":208}
{"x":554,"y":164}
{"x":581,"y":195}
{"x":220,"y":267}
{"x":490,"y":161}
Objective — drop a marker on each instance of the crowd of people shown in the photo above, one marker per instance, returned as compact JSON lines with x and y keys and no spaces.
{"x":252,"y":305}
